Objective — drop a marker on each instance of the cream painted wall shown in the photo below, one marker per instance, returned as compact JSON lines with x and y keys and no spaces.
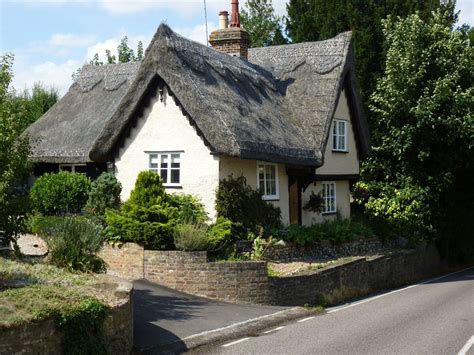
{"x":163,"y":127}
{"x":342,"y":202}
{"x":248,"y":168}
{"x":336,"y":162}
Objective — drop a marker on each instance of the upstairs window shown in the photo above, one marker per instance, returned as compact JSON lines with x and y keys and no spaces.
{"x":167,"y":165}
{"x":73,"y":168}
{"x":268,"y":181}
{"x":329,"y":197}
{"x":339,"y":135}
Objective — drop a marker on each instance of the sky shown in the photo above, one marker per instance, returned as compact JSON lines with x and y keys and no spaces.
{"x":52,"y":38}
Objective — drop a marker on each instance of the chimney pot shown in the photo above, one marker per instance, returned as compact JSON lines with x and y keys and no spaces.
{"x":234,"y":17}
{"x":223,"y":20}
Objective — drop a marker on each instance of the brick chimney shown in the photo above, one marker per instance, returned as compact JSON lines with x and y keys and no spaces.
{"x":232,"y":40}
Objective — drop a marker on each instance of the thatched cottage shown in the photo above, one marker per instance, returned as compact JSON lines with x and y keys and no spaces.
{"x":288,"y":118}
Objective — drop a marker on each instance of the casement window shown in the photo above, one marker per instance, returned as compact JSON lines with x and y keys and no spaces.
{"x":73,"y":168}
{"x":328,"y":194}
{"x":339,"y":135}
{"x":268,"y":180}
{"x":167,"y":165}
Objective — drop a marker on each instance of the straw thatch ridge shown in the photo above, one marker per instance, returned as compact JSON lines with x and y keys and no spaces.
{"x":276,"y":107}
{"x":67,"y":132}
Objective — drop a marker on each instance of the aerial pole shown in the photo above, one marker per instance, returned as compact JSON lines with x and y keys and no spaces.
{"x":205,"y":18}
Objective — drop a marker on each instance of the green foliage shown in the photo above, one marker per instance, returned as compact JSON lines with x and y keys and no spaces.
{"x":60,"y":193}
{"x":150,"y":215}
{"x":259,"y":247}
{"x":314,"y":203}
{"x":337,"y":231}
{"x":104,"y":194}
{"x":423,"y":105}
{"x":72,"y":242}
{"x":53,"y":292}
{"x":198,"y":236}
{"x":14,"y":165}
{"x":191,"y":237}
{"x":244,"y":206}
{"x":82,"y":327}
{"x":259,"y":20}
{"x":190,"y":209}
{"x":321,"y":19}
{"x":219,"y":232}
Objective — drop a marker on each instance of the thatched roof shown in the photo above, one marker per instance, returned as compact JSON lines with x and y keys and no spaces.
{"x":275,"y":107}
{"x":67,"y":132}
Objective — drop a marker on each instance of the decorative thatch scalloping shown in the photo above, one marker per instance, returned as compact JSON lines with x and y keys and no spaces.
{"x":66,"y":133}
{"x":277,"y":106}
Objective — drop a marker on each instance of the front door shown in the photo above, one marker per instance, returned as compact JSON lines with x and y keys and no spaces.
{"x":294,"y":188}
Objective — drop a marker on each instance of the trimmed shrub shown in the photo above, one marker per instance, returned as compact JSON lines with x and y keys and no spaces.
{"x":148,"y":217}
{"x":72,"y":242}
{"x":190,"y":209}
{"x":244,"y":206}
{"x":104,"y":194}
{"x":61,"y":193}
{"x":338,"y":231}
{"x":219,"y":232}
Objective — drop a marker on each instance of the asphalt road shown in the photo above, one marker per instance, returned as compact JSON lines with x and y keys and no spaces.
{"x":436,"y":317}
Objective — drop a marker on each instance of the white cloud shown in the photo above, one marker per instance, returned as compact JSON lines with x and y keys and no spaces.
{"x":196,"y":33}
{"x":70,"y":40}
{"x":57,"y":75}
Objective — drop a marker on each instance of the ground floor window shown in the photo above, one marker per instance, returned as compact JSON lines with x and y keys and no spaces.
{"x":328,"y":194}
{"x":167,"y":165}
{"x":268,"y":180}
{"x":73,"y":168}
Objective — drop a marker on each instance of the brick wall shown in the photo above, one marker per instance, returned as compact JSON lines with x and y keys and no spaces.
{"x":247,"y":282}
{"x":124,"y":260}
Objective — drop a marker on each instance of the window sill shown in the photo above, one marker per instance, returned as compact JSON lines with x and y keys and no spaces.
{"x":340,"y":151}
{"x":328,"y":213}
{"x":271,"y":198}
{"x":179,"y":187}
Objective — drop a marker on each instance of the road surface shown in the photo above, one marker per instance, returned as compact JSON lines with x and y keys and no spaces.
{"x":434,"y":317}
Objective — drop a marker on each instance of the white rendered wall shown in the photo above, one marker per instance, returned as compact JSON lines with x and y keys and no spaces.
{"x":248,"y":168}
{"x":336,"y":162}
{"x":343,"y":205}
{"x":163,"y":127}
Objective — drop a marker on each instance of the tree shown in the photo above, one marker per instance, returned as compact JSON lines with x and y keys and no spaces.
{"x":315,"y":20}
{"x":125,"y":55}
{"x":259,"y":20}
{"x":14,"y":166}
{"x":420,"y":174}
{"x":35,"y":103}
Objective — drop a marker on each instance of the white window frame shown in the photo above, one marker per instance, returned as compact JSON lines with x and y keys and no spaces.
{"x":169,"y":168}
{"x":335,"y":122}
{"x":73,"y":167}
{"x":276,"y":196}
{"x":324,"y":185}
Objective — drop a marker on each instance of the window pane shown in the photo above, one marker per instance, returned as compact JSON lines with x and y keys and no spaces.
{"x":272,"y":187}
{"x":174,"y":176}
{"x":341,"y":143}
{"x":269,"y":172}
{"x":175,"y":160}
{"x":164,"y":161}
{"x":81,"y":169}
{"x":261,"y":186}
{"x":164,"y":175}
{"x":261,"y":175}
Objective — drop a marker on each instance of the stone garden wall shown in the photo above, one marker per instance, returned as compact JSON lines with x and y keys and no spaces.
{"x":247,"y":282}
{"x":43,"y":337}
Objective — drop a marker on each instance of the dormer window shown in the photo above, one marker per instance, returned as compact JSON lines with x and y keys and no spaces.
{"x":339,"y":135}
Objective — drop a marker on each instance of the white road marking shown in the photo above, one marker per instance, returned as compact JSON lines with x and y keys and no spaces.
{"x":466,"y":346}
{"x":273,"y":330}
{"x":235,"y":342}
{"x":304,"y":319}
{"x":395,"y":291}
